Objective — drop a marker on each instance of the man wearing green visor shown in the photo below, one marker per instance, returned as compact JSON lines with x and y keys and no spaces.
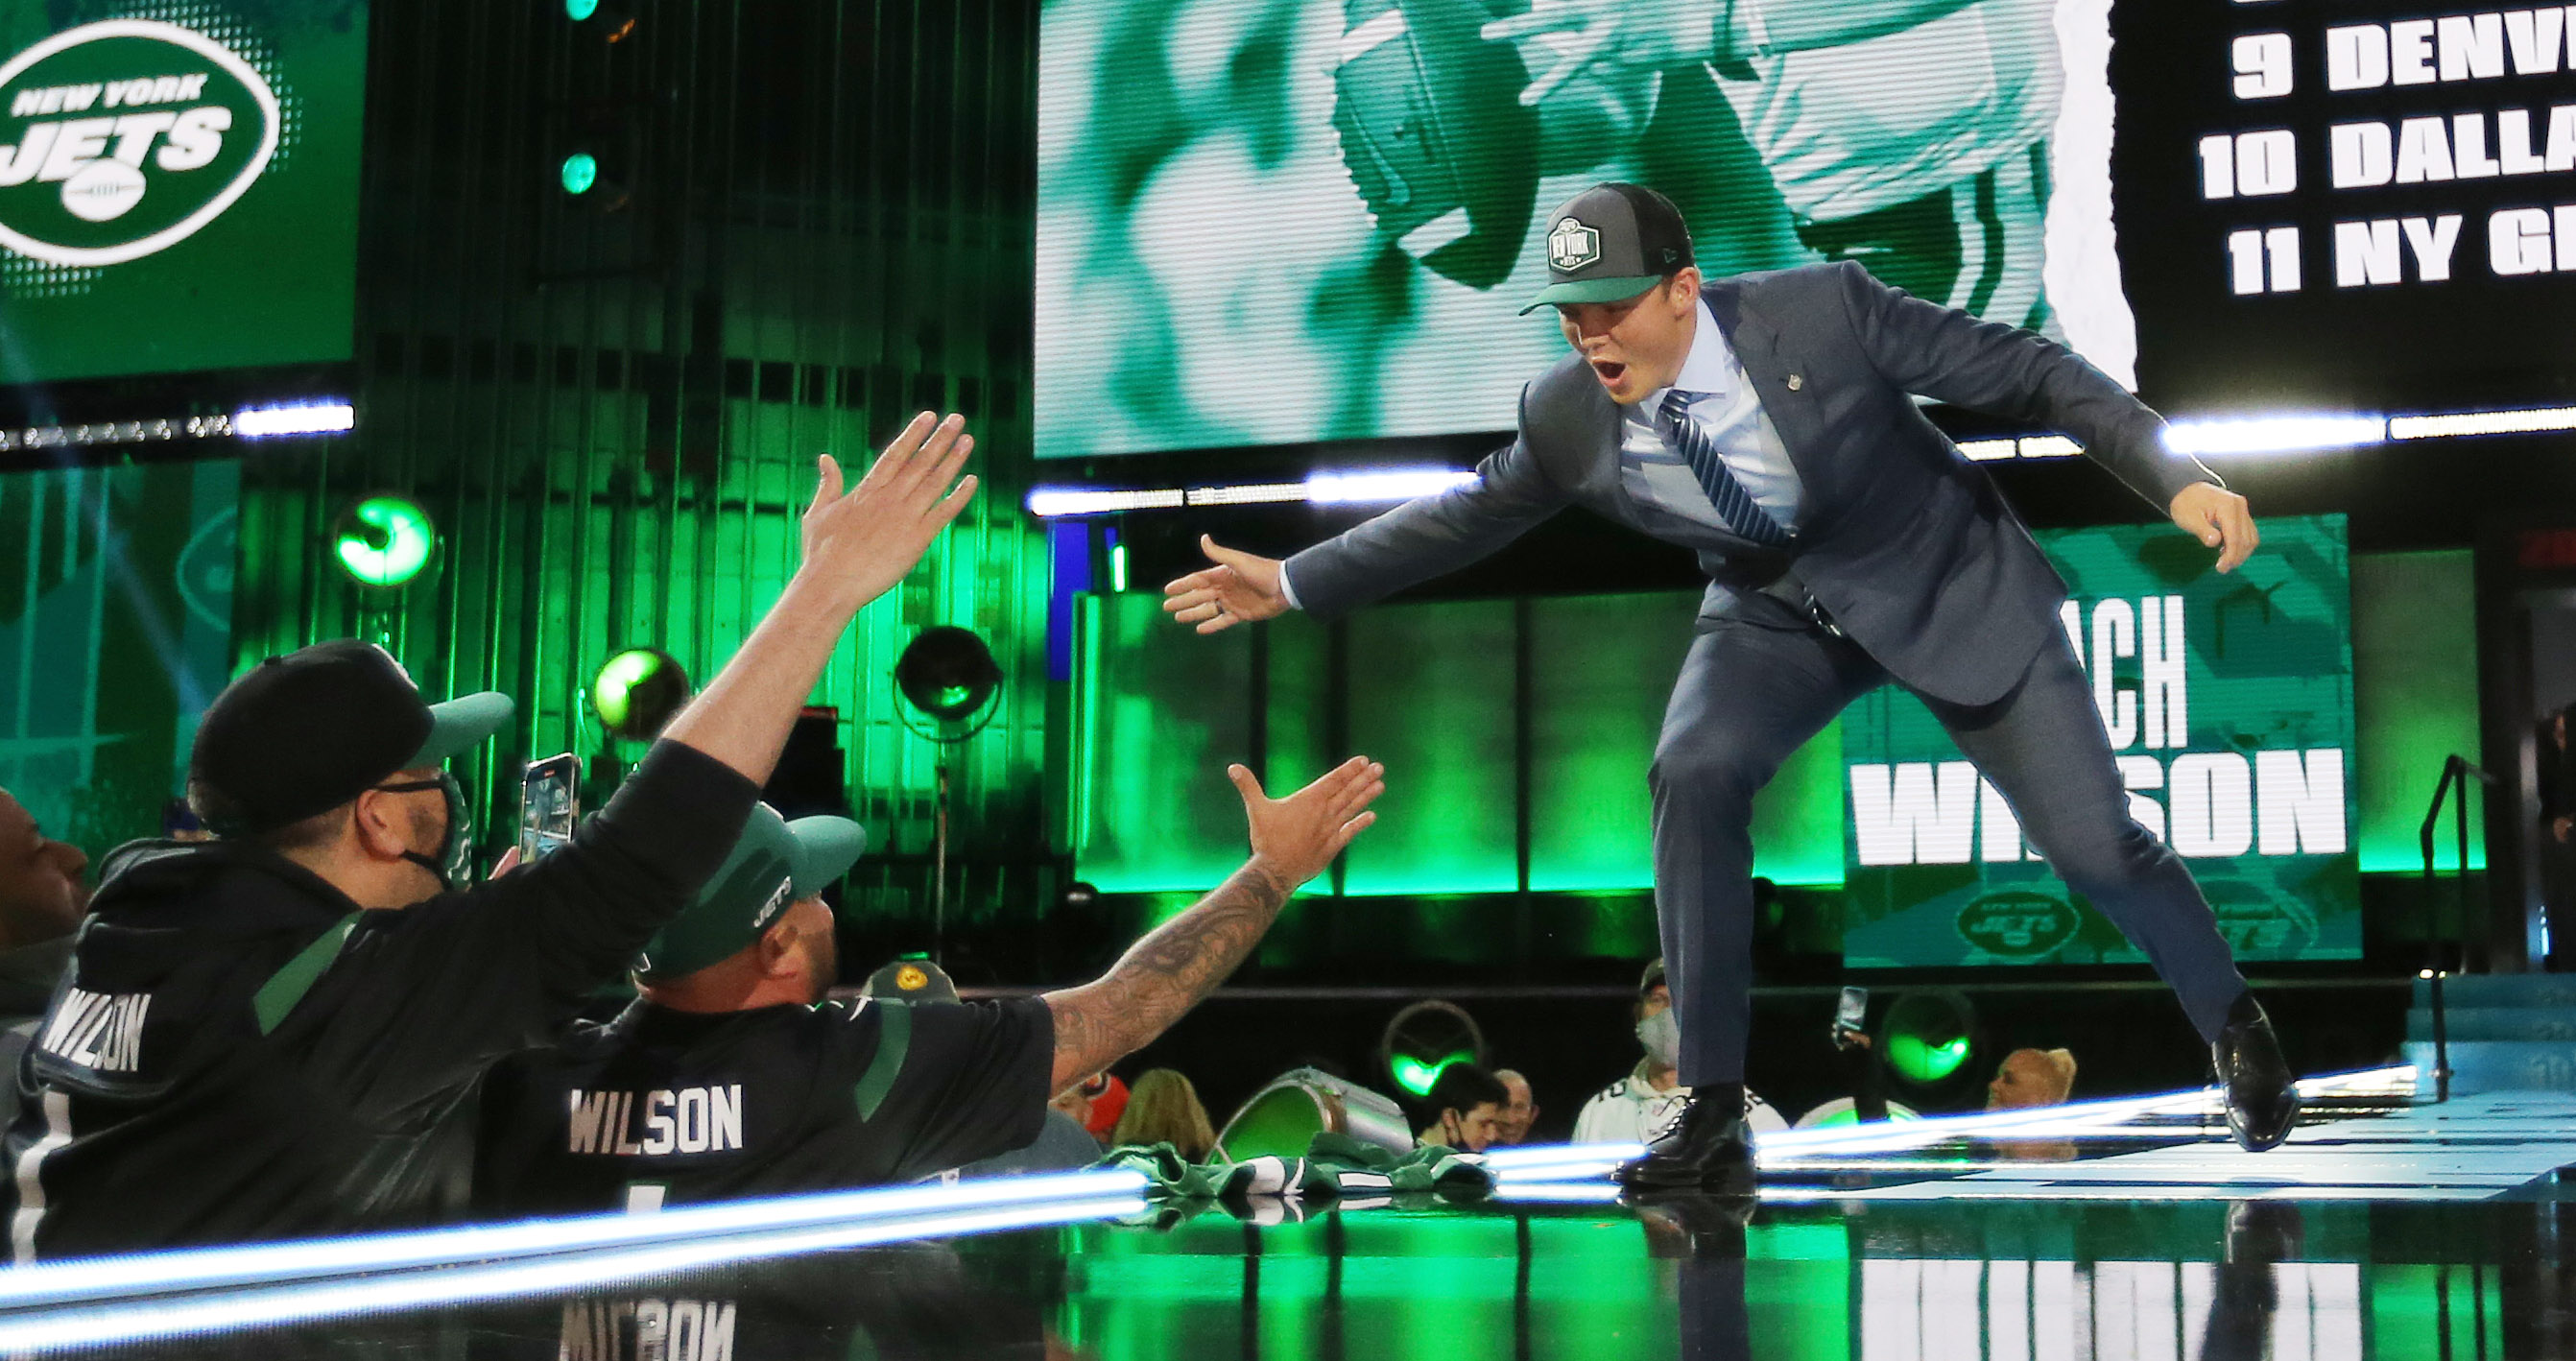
{"x":275,"y":1033}
{"x":731,"y":1076}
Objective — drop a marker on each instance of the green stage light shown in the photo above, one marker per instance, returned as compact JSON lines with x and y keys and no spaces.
{"x":637,"y":691}
{"x":384,"y":541}
{"x":578,"y":10}
{"x":1928,"y":1036}
{"x":1419,"y":1078}
{"x":580,"y":172}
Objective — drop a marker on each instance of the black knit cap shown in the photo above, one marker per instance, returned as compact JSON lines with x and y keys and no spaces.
{"x":306,"y":732}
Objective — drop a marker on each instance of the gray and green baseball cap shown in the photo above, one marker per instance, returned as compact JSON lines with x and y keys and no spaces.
{"x":776,"y":863}
{"x":1610,"y":243}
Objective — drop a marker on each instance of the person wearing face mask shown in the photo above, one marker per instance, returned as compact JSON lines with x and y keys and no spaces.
{"x":1466,"y":1107}
{"x":1643,"y":1105}
{"x":276,"y":1033}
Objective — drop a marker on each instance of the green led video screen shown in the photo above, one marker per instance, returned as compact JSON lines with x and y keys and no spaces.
{"x":116,"y":611}
{"x":1300,"y":220}
{"x":178,"y":185}
{"x":2229,"y":704}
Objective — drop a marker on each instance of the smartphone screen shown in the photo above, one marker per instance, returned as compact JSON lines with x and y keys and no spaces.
{"x":1854,"y":1006}
{"x":550,"y":805}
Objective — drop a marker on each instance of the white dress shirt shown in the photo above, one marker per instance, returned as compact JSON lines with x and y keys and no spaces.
{"x":1725,"y":406}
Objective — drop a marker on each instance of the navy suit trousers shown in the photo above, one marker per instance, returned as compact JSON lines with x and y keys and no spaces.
{"x":1750,"y":695}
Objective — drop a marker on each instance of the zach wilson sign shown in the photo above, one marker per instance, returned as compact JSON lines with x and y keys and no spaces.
{"x":123,"y":138}
{"x":178,"y":185}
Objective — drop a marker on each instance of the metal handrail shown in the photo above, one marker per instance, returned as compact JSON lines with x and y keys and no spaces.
{"x":2456,"y":770}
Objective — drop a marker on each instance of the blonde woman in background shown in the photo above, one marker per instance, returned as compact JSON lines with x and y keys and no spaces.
{"x":1163,"y":1108}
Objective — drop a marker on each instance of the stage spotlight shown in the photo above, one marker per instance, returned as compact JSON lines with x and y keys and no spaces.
{"x":593,"y":178}
{"x":1423,"y":1041}
{"x":1927,"y":1038}
{"x":637,"y":691}
{"x":383,"y":540}
{"x":947,"y":673}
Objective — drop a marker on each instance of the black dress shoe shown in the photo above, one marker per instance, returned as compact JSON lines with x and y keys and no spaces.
{"x":2262,"y":1099}
{"x":1707,"y":1149}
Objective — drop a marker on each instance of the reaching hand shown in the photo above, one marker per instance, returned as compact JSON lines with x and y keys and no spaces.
{"x":1296,"y":837}
{"x":1648,"y":36}
{"x":1241,"y":587}
{"x":863,"y":542}
{"x":2218,"y":518}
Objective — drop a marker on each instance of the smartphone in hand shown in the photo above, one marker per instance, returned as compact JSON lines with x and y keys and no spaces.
{"x":550,"y":804}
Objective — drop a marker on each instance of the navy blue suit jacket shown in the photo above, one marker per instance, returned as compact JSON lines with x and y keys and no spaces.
{"x":1903,"y":540}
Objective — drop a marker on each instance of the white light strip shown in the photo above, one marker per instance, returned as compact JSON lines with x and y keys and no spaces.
{"x":2287,"y":433}
{"x":1392,"y":484}
{"x":1502,"y":1160}
{"x":2049,"y":446}
{"x":1321,"y":489}
{"x":321,"y":418}
{"x":1046,"y":502}
{"x":1259,"y":493}
{"x":2483,"y":423}
{"x":102,"y":1278}
{"x":91,"y":1325}
{"x":1984,"y":450}
{"x":2046,"y":1122}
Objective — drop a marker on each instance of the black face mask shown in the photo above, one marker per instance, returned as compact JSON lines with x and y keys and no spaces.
{"x":453,"y":861}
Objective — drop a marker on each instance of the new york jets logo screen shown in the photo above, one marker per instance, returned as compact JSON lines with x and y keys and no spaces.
{"x":123,"y":138}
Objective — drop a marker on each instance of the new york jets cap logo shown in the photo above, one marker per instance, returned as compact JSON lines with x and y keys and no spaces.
{"x":1571,"y":245}
{"x":122,"y":138}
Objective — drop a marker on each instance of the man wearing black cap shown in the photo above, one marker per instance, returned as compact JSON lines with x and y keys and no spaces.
{"x":272,"y":1034}
{"x":731,"y":1075}
{"x":1768,"y":422}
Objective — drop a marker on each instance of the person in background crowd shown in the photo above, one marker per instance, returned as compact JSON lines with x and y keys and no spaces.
{"x":2031,"y":1077}
{"x":277,"y":1033}
{"x":1520,"y":1112}
{"x":1095,"y":1103}
{"x":1640,"y":1107}
{"x":731,"y":1076}
{"x":1645,"y":1103}
{"x":1163,"y":1108}
{"x":42,"y":899}
{"x":1466,"y":1108}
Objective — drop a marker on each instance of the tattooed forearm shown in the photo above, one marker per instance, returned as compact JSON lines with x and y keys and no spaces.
{"x":1163,"y":975}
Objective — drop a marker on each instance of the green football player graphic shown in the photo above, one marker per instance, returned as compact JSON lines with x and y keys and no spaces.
{"x":1913,"y":136}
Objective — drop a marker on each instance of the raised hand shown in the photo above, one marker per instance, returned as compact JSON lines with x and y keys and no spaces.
{"x":1296,"y":837}
{"x":1241,"y":587}
{"x":865,"y":539}
{"x":2219,"y":519}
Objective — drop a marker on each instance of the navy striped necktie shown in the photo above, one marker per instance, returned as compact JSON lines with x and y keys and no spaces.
{"x":1734,"y":504}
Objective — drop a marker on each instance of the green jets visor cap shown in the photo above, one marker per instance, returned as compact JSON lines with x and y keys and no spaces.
{"x":1610,"y":243}
{"x":305,"y":732}
{"x":775,"y":863}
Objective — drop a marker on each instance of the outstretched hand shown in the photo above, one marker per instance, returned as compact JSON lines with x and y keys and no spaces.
{"x":863,"y":540}
{"x":2218,"y":518}
{"x":1296,"y":837}
{"x":1241,"y":587}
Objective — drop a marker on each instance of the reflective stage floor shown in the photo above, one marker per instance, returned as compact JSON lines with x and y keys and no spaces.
{"x":2382,"y":1230}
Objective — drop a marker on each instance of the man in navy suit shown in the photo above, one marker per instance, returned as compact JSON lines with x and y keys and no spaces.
{"x":1767,"y":421}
